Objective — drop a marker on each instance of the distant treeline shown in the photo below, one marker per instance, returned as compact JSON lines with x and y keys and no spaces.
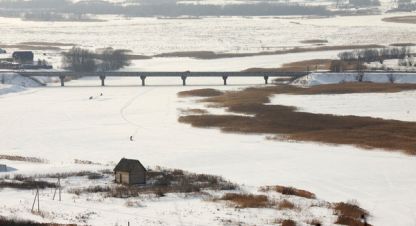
{"x":373,"y":55}
{"x":158,"y":9}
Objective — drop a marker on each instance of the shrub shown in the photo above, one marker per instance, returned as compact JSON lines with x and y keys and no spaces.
{"x":247,"y":200}
{"x":15,"y":222}
{"x":349,"y":213}
{"x":285,"y":204}
{"x":288,"y":223}
{"x":289,"y":191}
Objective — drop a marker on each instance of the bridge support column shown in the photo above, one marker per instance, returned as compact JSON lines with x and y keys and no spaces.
{"x":183,"y":77}
{"x":102,"y":77}
{"x":225,"y":80}
{"x":266,"y":79}
{"x":143,"y":78}
{"x":62,"y":78}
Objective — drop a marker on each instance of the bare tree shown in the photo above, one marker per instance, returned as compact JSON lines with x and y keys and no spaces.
{"x":79,"y":60}
{"x":113,"y":59}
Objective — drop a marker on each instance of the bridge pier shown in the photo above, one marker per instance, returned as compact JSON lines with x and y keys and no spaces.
{"x":225,"y":79}
{"x":143,"y":78}
{"x":266,"y":79}
{"x":102,"y":77}
{"x":183,"y":77}
{"x":62,"y":78}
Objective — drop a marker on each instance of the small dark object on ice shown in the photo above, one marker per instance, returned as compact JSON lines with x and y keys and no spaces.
{"x":131,"y":138}
{"x":101,"y":94}
{"x":91,"y":97}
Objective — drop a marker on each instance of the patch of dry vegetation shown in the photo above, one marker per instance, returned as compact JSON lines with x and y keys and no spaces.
{"x":160,"y":182}
{"x":200,"y":93}
{"x":15,"y":222}
{"x":213,"y":55}
{"x":247,"y":200}
{"x":350,"y":214}
{"x":285,"y":204}
{"x":289,"y":191}
{"x":194,"y":111}
{"x":310,"y":65}
{"x":314,"y":41}
{"x":401,"y":19}
{"x":280,"y":120}
{"x":25,"y":183}
{"x":286,"y":222}
{"x":23,"y":159}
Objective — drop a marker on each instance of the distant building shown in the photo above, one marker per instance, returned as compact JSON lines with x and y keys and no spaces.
{"x":130,"y":172}
{"x":23,"y":56}
{"x":3,"y":168}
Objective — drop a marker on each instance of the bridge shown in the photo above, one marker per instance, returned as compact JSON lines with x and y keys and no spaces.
{"x":62,"y":75}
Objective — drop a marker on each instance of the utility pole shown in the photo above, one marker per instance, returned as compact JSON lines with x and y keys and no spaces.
{"x":58,"y":187}
{"x":34,"y":201}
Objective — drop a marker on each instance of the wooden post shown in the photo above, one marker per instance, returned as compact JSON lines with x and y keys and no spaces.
{"x":143,"y":78}
{"x":60,"y":189}
{"x":102,"y":77}
{"x":34,"y":201}
{"x":225,"y":79}
{"x":62,"y":78}
{"x":38,"y":199}
{"x":183,"y":77}
{"x":266,"y":79}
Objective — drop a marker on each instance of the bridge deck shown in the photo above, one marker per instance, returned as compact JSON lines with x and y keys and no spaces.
{"x":162,"y":74}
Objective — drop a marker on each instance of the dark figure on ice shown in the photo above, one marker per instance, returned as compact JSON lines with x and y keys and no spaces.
{"x":91,"y":97}
{"x":131,"y":138}
{"x":101,"y":94}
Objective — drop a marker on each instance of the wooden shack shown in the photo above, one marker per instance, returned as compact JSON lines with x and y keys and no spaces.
{"x":23,"y":56}
{"x":130,"y":172}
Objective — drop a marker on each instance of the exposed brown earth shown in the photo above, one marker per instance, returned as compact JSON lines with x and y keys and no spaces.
{"x":286,"y":122}
{"x":401,"y":19}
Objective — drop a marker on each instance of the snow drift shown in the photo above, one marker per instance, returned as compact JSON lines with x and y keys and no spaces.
{"x":13,"y":82}
{"x":335,"y":78}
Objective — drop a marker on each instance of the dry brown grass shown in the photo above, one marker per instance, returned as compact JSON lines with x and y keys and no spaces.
{"x":365,"y":132}
{"x":23,"y":159}
{"x":314,"y":41}
{"x":285,"y":204}
{"x":29,"y":47}
{"x":200,"y":93}
{"x":350,"y":210}
{"x":213,"y":55}
{"x":194,"y":111}
{"x":401,"y":19}
{"x":247,"y":200}
{"x":350,"y":214}
{"x":288,"y":223}
{"x":315,"y":222}
{"x":16,"y":222}
{"x":289,"y":191}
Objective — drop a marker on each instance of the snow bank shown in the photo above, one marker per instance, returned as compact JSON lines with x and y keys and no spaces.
{"x":335,"y":78}
{"x":12,"y":82}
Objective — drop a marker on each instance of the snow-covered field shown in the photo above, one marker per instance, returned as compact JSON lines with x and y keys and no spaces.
{"x":225,"y":34}
{"x":398,"y":106}
{"x":62,"y":124}
{"x":318,"y":78}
